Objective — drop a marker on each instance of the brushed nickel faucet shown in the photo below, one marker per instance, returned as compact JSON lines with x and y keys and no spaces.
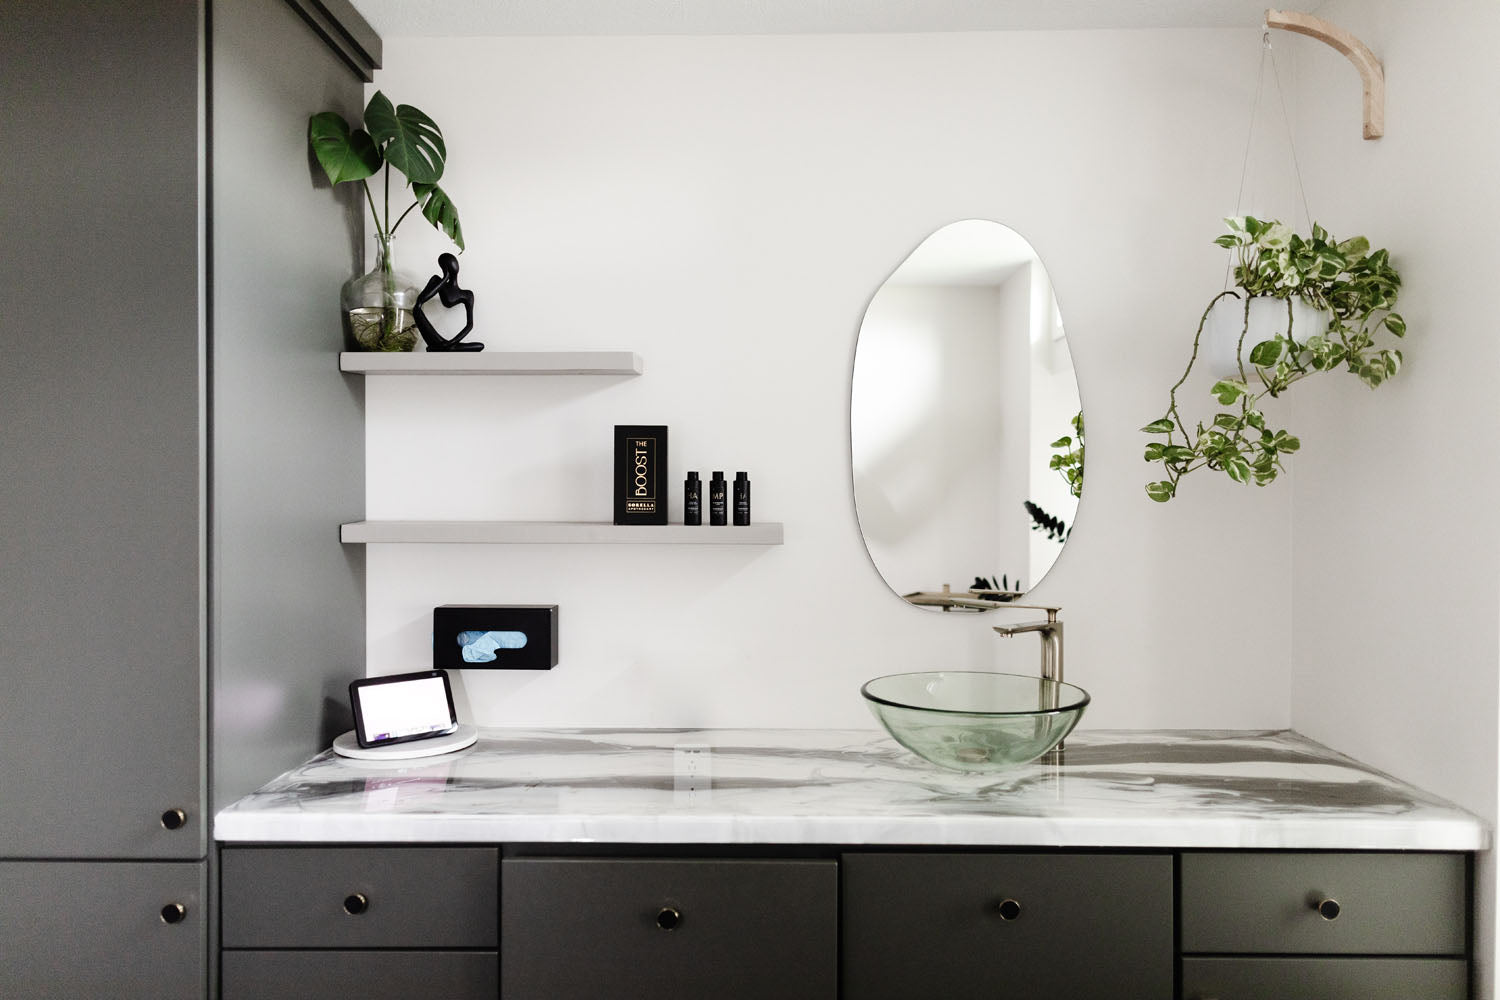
{"x":1051,"y":634}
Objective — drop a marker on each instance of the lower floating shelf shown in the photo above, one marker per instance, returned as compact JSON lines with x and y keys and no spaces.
{"x":557,"y":533}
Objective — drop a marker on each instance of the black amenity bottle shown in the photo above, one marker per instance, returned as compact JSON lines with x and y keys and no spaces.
{"x":692,"y":499}
{"x":718,"y":502}
{"x":741,"y":498}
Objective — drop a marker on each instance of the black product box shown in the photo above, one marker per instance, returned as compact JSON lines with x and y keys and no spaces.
{"x":480,"y":637}
{"x":640,"y":474}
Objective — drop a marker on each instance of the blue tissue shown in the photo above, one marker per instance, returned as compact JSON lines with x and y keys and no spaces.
{"x":479,"y":647}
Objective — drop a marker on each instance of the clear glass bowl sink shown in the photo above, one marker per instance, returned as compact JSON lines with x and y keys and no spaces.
{"x":973,"y":721}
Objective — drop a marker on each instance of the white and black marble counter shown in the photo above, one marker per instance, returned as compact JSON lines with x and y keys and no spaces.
{"x":1182,"y":789}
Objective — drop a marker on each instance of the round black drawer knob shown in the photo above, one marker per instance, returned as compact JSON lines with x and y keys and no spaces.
{"x":173,"y":913}
{"x":174,"y":819}
{"x":1328,"y":909}
{"x":1009,"y":909}
{"x":356,"y":903}
{"x":668,"y":918}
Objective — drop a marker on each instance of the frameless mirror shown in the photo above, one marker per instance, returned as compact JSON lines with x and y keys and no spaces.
{"x":963,"y":395}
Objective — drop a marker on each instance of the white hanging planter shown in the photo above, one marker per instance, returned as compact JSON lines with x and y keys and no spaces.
{"x":1221,"y":333}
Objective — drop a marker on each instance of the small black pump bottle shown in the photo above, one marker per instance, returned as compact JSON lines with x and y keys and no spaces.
{"x":741,"y":498}
{"x":692,"y":499}
{"x":718,"y":502}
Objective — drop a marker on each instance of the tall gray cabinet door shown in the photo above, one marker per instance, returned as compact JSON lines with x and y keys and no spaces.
{"x":71,"y":929}
{"x":101,"y":489}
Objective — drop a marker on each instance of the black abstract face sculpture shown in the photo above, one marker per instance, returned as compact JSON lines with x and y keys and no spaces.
{"x":445,"y":287}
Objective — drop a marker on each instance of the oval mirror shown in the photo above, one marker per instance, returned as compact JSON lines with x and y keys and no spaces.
{"x":965,"y":427}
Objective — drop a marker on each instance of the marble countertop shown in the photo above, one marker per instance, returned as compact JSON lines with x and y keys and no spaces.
{"x":1113,"y":788}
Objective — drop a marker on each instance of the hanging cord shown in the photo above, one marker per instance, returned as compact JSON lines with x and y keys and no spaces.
{"x":1267,"y":52}
{"x":1291,"y":142}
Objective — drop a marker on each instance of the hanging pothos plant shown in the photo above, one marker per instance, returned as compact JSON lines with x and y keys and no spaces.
{"x":1354,"y":291}
{"x":1069,"y":459}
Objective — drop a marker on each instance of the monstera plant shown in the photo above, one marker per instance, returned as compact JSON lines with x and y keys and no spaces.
{"x":1352,"y":290}
{"x":377,"y":306}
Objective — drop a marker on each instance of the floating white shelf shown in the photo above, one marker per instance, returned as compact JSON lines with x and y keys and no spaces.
{"x":491,"y":363}
{"x":557,"y":533}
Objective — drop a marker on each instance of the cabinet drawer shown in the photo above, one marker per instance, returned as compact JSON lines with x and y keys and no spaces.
{"x":1387,"y":904}
{"x":367,"y":975}
{"x":365,"y":897}
{"x":581,"y":929}
{"x":1325,"y":978}
{"x":1085,"y":927}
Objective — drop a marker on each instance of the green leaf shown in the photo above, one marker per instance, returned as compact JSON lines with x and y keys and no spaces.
{"x":1061,"y":442}
{"x":1228,"y":242}
{"x":1162,"y":426}
{"x":410,"y":141}
{"x":1286,"y":442}
{"x":1266,"y":353}
{"x":1237,"y":468}
{"x":1226,"y":420}
{"x":1161,"y":492}
{"x":1154,"y":451}
{"x":438,"y":210}
{"x":1228,"y":390}
{"x":344,"y":155}
{"x":1395,"y":324}
{"x":1355,"y":248}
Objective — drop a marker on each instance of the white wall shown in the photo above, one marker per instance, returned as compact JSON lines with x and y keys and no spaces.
{"x":1397,"y":558}
{"x":727,"y":207}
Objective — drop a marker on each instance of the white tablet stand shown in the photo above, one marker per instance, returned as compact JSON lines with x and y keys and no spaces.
{"x":347,"y":745}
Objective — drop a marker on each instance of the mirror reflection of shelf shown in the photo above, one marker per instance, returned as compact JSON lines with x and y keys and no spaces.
{"x":556,"y":533}
{"x":965,"y":600}
{"x":492,"y":363}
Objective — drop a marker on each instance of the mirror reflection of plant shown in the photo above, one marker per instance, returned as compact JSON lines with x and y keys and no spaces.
{"x":1351,"y":287}
{"x":1070,"y":462}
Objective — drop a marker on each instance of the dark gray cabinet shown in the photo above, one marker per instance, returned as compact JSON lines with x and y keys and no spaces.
{"x":1307,"y":978}
{"x":360,"y":921}
{"x":103,"y":929}
{"x":808,"y":922}
{"x":360,"y":897}
{"x":668,"y":929}
{"x":1371,"y":903}
{"x":367,"y":975}
{"x":1080,"y":926}
{"x":1324,"y":925}
{"x":176,"y":443}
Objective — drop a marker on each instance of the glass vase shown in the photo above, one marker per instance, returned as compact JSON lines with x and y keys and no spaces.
{"x":378,"y":306}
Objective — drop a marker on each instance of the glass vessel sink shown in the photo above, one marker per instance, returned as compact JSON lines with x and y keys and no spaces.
{"x":974,"y":721}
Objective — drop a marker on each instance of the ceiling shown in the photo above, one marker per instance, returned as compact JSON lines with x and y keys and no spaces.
{"x":442,"y":18}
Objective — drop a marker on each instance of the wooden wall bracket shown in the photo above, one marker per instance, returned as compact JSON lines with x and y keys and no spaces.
{"x":1371,"y":73}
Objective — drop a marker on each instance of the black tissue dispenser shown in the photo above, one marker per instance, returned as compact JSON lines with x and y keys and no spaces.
{"x":482,"y":637}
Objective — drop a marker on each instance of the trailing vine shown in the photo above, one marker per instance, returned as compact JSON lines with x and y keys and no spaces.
{"x":1353,"y":289}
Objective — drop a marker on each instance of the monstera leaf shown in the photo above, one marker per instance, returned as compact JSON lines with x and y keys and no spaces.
{"x":345,"y":154}
{"x":410,"y":141}
{"x":438,"y":210}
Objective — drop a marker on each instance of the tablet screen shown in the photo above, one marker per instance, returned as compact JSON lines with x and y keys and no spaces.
{"x":402,"y":708}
